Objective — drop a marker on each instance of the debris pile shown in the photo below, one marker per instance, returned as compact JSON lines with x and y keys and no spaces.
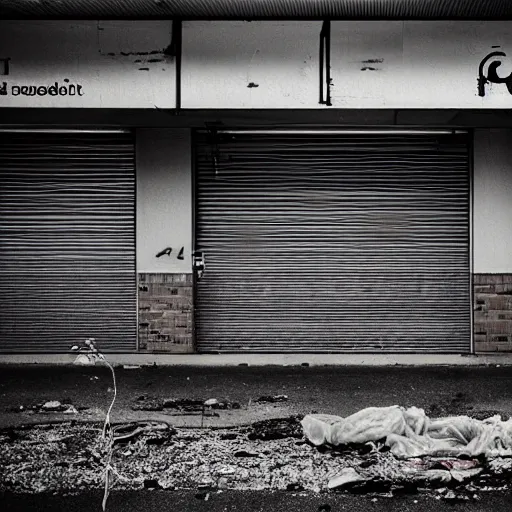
{"x":267,"y":455}
{"x":439,"y":451}
{"x":182,"y":405}
{"x":52,"y":406}
{"x":411,"y":433}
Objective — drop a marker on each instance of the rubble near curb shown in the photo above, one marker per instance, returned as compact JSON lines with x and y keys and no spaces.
{"x":49,"y":407}
{"x":267,"y":455}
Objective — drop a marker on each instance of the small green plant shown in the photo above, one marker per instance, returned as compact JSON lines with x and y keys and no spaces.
{"x":107,"y":437}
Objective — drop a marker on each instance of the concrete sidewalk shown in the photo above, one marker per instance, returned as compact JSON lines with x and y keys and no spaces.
{"x":343,"y":390}
{"x":221,"y":360}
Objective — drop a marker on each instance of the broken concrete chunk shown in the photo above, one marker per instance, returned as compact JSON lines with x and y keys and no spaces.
{"x":462,"y":475}
{"x":347,"y":476}
{"x":53,"y":405}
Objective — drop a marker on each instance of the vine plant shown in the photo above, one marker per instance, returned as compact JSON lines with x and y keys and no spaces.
{"x":107,"y":436}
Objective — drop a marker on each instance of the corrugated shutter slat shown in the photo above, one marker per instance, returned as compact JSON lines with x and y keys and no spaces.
{"x":333,"y":243}
{"x":67,"y":241}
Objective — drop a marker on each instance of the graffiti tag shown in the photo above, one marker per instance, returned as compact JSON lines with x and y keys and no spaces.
{"x":167,"y":252}
{"x":492,"y":73}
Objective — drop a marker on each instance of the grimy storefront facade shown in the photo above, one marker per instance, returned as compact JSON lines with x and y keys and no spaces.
{"x":294,"y":184}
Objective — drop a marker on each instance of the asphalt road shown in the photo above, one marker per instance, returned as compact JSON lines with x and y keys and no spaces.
{"x":330,"y":390}
{"x":185,"y":501}
{"x":334,"y":390}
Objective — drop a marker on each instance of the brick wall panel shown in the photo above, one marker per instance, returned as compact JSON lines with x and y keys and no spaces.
{"x":493,"y":312}
{"x":165,"y":313}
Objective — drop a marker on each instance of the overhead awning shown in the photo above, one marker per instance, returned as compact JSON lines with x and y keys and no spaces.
{"x":256,"y":9}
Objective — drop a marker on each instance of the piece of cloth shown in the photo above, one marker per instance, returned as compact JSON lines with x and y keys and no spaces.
{"x":411,"y":433}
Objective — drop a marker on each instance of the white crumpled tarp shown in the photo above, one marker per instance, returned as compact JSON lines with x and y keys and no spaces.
{"x":411,"y":433}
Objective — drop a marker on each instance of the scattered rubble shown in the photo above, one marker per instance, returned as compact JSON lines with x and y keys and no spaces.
{"x":270,"y":454}
{"x":272,"y":399}
{"x":49,"y":407}
{"x":182,"y":405}
{"x":52,"y":406}
{"x":273,"y":429}
{"x":346,"y":477}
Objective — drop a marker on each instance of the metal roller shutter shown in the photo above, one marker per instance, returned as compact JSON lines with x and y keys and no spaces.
{"x":355,"y":242}
{"x":67,"y":241}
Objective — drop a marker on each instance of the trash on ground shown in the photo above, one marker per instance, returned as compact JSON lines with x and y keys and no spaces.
{"x":346,"y":477}
{"x":71,"y":457}
{"x":131,"y":366}
{"x":272,"y":399}
{"x":127,"y":432}
{"x":181,"y":405}
{"x":411,"y":433}
{"x":53,"y":405}
{"x":148,"y":404}
{"x":462,"y":475}
{"x":500,"y":465}
{"x":272,"y":429}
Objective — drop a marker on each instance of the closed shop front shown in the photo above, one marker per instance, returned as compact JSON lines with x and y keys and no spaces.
{"x":67,"y":240}
{"x":339,"y":241}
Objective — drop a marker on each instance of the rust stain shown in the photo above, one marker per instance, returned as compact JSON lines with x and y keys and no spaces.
{"x":143,"y":69}
{"x":252,"y":84}
{"x":373,"y":61}
{"x":368,"y":68}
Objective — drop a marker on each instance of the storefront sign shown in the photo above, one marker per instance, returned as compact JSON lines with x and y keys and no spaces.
{"x":65,"y":88}
{"x":87,"y":64}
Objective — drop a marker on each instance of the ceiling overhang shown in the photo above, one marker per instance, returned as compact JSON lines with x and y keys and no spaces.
{"x":257,"y":9}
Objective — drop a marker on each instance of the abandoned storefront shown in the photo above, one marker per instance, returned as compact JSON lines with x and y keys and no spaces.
{"x":266,"y":186}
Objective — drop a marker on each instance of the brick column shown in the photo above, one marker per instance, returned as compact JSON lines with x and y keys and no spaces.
{"x":165,"y":313}
{"x":493,"y":312}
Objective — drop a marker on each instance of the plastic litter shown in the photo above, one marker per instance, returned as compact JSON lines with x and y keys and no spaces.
{"x":411,"y":433}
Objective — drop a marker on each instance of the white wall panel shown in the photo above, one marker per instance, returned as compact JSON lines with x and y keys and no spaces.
{"x":164,"y":199}
{"x":116,"y":64}
{"x":364,"y":59}
{"x":374,"y":64}
{"x":221,"y":59}
{"x":493,"y":201}
{"x":441,"y":60}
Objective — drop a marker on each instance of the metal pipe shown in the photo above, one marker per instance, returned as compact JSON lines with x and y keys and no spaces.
{"x":61,"y":130}
{"x":343,"y":132}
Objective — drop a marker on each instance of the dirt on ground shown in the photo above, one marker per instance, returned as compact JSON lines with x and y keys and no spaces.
{"x":267,"y":455}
